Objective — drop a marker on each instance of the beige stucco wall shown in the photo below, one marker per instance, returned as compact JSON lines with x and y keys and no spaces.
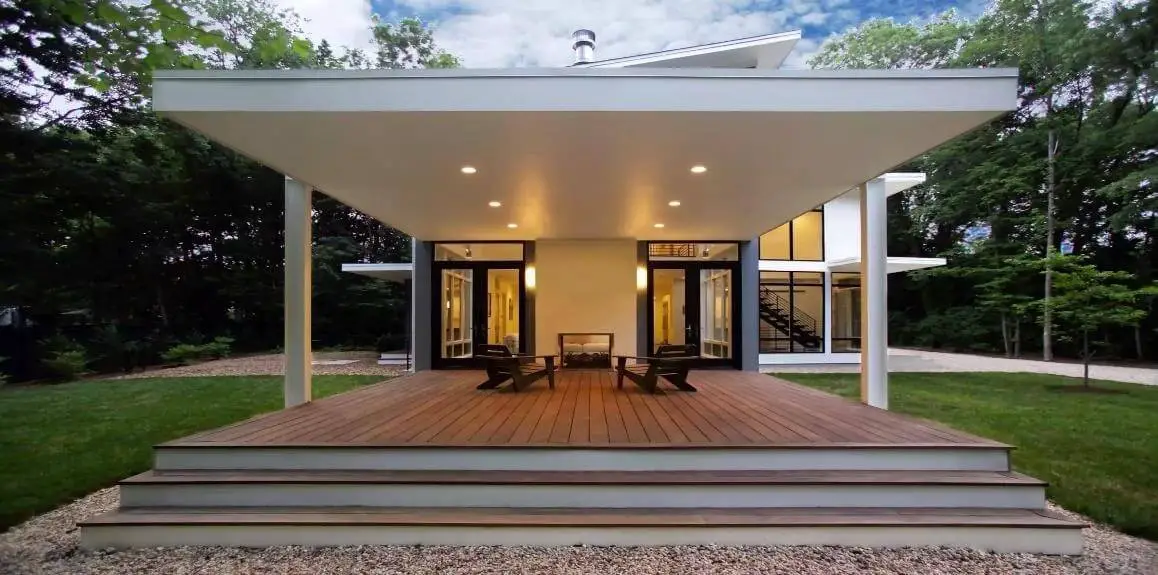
{"x":585,"y":286}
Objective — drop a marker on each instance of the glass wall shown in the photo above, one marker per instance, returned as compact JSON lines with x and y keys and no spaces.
{"x":482,"y":251}
{"x":716,"y":313}
{"x":503,"y":308}
{"x":457,"y":308}
{"x":845,"y":312}
{"x":802,"y":239}
{"x":669,"y":289}
{"x":791,"y":312}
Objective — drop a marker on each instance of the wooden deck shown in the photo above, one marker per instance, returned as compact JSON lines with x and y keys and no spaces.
{"x":442,"y":408}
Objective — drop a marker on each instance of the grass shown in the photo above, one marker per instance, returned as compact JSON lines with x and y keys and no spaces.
{"x":1099,"y":452}
{"x":60,"y":442}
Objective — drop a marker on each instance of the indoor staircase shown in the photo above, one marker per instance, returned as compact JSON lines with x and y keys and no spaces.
{"x":778,"y":312}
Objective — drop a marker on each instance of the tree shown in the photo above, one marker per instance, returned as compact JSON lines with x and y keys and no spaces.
{"x":1088,"y":299}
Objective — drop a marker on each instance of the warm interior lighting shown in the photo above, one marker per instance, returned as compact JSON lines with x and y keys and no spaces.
{"x":674,"y":203}
{"x":699,"y":169}
{"x":468,"y":169}
{"x":640,"y":278}
{"x":658,"y":225}
{"x":529,"y":277}
{"x":495,"y":204}
{"x":512,"y":225}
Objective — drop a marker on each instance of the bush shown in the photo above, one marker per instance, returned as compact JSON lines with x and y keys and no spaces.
{"x":64,"y":359}
{"x":185,"y":353}
{"x":390,"y":343}
{"x":3,"y":376}
{"x":67,"y":365}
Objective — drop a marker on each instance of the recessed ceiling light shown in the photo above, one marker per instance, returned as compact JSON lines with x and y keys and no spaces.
{"x":468,"y":169}
{"x":512,"y":225}
{"x":658,"y":225}
{"x":699,"y":169}
{"x":495,"y":204}
{"x":674,"y":203}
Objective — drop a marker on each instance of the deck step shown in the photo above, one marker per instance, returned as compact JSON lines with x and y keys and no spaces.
{"x":595,"y":489}
{"x":864,"y":457}
{"x":701,"y":477}
{"x":1005,"y":530}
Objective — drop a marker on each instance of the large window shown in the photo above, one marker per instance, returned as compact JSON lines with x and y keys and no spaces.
{"x":791,"y":312}
{"x":802,"y":239}
{"x":845,"y":312}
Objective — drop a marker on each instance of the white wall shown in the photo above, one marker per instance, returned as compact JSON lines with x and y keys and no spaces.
{"x":842,"y":227}
{"x":585,"y":286}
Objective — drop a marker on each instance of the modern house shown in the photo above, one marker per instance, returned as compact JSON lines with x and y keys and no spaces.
{"x":694,"y":196}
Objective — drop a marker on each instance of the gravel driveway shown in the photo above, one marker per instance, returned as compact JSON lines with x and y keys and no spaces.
{"x":48,"y":545}
{"x":325,"y":363}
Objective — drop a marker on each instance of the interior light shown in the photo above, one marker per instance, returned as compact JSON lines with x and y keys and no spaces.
{"x":495,"y":204}
{"x":658,"y":225}
{"x":674,"y":203}
{"x":469,"y":254}
{"x":468,"y":169}
{"x":706,"y":252}
{"x":512,"y":225}
{"x":697,"y":169}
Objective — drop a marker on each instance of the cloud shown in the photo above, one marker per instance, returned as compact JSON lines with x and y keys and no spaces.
{"x":500,"y":33}
{"x":505,"y":33}
{"x":342,"y":22}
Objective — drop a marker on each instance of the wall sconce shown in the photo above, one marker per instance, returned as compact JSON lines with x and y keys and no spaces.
{"x":529,"y":277}
{"x":641,"y":278}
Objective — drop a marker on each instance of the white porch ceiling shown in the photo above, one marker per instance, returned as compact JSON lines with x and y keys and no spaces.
{"x":583,"y":153}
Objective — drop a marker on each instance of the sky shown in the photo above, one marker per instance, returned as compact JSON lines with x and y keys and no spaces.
{"x":508,"y":33}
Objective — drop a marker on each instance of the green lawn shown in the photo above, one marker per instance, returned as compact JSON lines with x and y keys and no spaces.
{"x":1098,"y":452}
{"x":60,"y":442}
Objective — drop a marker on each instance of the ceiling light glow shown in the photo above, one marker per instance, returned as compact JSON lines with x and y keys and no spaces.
{"x":495,"y":204}
{"x":699,"y":169}
{"x":468,"y":169}
{"x":658,"y":225}
{"x":512,"y":225}
{"x":674,"y":203}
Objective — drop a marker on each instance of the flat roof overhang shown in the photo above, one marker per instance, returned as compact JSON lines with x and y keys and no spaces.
{"x":391,"y":272}
{"x":895,"y":264}
{"x":582,"y":152}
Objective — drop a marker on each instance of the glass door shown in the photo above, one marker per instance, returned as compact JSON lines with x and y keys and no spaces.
{"x":477,"y":303}
{"x":694,"y":303}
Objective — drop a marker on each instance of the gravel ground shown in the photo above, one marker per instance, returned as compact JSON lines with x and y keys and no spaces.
{"x":48,"y":545}
{"x":274,"y":364}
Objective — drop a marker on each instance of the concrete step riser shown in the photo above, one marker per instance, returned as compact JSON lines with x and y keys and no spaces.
{"x":910,"y":459}
{"x":580,"y":496}
{"x":999,"y":539}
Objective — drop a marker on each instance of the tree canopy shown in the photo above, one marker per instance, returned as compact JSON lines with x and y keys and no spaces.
{"x":1087,"y":73}
{"x":123,"y":234}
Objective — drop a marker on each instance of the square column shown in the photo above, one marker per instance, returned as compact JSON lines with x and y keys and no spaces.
{"x":874,"y":342}
{"x":748,"y":289}
{"x":298,"y":292}
{"x":421,"y":313}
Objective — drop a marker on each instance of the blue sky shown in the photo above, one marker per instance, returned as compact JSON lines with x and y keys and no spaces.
{"x":503,"y":33}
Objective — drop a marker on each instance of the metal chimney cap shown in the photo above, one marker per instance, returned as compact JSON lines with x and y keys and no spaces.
{"x":583,"y":36}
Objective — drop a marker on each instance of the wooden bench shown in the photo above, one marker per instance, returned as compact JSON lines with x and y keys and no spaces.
{"x":520,"y":369}
{"x":670,"y":362}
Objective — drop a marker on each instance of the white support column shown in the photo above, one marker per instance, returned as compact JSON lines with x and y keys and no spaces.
{"x":874,"y":354}
{"x":298,"y":292}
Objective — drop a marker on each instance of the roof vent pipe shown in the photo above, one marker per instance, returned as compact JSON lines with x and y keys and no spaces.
{"x":584,"y":46}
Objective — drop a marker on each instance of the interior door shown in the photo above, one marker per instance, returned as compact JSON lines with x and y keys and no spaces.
{"x":695,"y":303}
{"x":477,"y":303}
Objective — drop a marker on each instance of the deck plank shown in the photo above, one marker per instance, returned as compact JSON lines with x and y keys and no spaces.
{"x":732,"y":408}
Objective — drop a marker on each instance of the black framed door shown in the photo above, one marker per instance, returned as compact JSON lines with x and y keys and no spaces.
{"x":695,"y":303}
{"x":476,"y":303}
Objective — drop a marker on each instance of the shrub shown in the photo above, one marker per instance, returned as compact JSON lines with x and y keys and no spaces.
{"x":67,"y":365}
{"x":3,"y":376}
{"x":188,"y":352}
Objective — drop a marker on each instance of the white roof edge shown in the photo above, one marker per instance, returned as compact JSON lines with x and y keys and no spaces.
{"x":991,"y":91}
{"x":895,"y":263}
{"x":481,"y":73}
{"x":360,"y":267}
{"x":791,"y":36}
